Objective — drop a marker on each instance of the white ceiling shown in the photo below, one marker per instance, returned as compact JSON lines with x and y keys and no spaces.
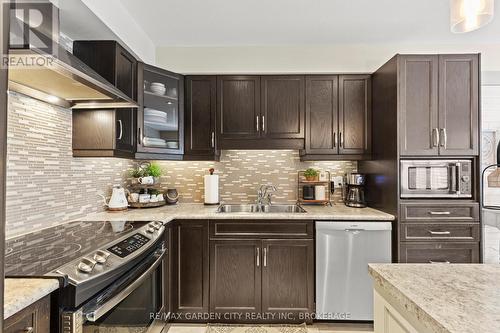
{"x":298,"y":22}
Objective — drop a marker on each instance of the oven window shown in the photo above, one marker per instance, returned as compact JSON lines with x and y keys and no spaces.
{"x":134,"y":313}
{"x":428,"y":178}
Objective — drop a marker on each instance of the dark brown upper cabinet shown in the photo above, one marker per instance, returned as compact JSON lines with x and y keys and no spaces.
{"x":238,"y":107}
{"x":109,"y":59}
{"x":104,"y":133}
{"x":107,"y":133}
{"x":200,"y":114}
{"x":459,"y":104}
{"x":260,"y":112}
{"x":439,"y":105}
{"x":282,"y":107}
{"x":354,"y":114}
{"x":418,"y":103}
{"x":190,"y":267}
{"x":338,"y":117}
{"x":160,"y":118}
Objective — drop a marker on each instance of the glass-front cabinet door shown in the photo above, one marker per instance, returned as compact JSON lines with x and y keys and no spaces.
{"x":161,"y":115}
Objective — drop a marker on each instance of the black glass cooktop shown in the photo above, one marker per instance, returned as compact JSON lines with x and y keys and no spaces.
{"x":41,"y":252}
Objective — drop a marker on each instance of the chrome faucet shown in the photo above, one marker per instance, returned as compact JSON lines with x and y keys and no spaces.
{"x":265,"y":193}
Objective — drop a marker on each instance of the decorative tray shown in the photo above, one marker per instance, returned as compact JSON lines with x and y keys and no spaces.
{"x":147,"y":204}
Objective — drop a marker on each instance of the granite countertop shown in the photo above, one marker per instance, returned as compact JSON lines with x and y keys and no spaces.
{"x":445,"y":298}
{"x":21,"y":293}
{"x":167,"y":213}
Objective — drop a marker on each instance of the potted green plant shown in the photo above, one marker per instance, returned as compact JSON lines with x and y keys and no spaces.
{"x":147,"y":173}
{"x":311,"y":174}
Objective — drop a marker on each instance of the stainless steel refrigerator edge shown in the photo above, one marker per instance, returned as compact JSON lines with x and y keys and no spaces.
{"x":344,"y":288}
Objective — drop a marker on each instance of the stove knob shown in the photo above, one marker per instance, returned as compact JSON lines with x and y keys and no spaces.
{"x":150,"y":230}
{"x":101,"y":256}
{"x":154,"y":225}
{"x":86,"y":265}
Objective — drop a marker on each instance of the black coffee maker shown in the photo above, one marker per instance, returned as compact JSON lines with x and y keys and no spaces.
{"x":354,"y":190}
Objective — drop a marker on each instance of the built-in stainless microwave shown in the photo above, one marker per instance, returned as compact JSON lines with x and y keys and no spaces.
{"x":436,"y":179}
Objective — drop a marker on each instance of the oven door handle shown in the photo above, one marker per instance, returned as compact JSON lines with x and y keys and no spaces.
{"x":94,"y":314}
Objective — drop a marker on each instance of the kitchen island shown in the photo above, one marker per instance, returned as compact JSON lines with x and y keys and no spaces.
{"x":444,"y":298}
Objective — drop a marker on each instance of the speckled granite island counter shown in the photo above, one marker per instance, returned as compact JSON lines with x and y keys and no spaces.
{"x":21,"y":293}
{"x":460,"y":298}
{"x":199,"y":211}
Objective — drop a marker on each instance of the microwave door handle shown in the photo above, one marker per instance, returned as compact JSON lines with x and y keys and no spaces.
{"x":458,"y":167}
{"x":96,"y":313}
{"x":452,"y":178}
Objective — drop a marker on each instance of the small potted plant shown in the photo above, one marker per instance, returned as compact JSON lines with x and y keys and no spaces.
{"x":147,"y":173}
{"x":311,"y":174}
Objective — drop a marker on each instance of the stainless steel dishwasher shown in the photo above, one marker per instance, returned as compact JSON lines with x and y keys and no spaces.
{"x":343,"y":252}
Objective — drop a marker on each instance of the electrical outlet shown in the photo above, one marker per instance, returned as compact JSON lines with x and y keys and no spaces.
{"x":338,"y":181}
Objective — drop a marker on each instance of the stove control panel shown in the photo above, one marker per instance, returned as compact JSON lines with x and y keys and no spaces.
{"x":129,"y":245}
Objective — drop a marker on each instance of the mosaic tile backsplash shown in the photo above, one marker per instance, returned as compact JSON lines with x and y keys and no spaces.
{"x":241,"y":172}
{"x":47,"y":186}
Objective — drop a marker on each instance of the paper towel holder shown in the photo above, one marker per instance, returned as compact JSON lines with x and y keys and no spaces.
{"x":211,"y":190}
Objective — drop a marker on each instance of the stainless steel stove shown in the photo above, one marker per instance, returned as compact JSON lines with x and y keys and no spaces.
{"x":112,"y":273}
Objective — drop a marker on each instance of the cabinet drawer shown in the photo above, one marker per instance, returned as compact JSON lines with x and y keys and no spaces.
{"x":35,"y":317}
{"x":430,"y":212}
{"x":440,"y":231}
{"x":262,"y":229}
{"x":439,"y":252}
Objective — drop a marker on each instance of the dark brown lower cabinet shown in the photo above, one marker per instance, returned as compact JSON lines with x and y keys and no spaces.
{"x":262,"y":280}
{"x":34,"y":319}
{"x":288,"y":276}
{"x":235,"y":276}
{"x":190,"y":276}
{"x":439,"y":252}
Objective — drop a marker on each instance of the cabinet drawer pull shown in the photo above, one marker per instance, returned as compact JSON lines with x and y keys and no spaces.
{"x":121,"y":129}
{"x":438,"y":262}
{"x":213,"y":139}
{"x":442,"y":233}
{"x":439,"y":213}
{"x":257,"y":125}
{"x":258,"y":257}
{"x":265,"y":257}
{"x":29,"y":330}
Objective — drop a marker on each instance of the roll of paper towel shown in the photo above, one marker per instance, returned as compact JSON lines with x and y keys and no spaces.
{"x":211,"y":189}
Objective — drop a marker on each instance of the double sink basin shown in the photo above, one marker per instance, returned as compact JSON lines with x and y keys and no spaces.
{"x":254,"y":208}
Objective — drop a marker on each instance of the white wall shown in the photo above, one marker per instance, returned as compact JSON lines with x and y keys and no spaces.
{"x":118,"y":19}
{"x":305,"y":59}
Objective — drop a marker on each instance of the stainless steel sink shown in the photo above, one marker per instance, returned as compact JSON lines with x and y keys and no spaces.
{"x":251,"y":208}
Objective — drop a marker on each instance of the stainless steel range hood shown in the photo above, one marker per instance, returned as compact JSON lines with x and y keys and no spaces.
{"x":63,"y":80}
{"x":57,"y":77}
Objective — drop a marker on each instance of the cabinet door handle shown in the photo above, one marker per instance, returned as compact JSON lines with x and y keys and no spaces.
{"x":121,"y":129}
{"x":438,"y":262}
{"x":213,"y":139}
{"x":265,"y":257}
{"x":441,"y":233}
{"x":341,"y":140}
{"x":29,"y":329}
{"x":444,"y":141}
{"x":439,"y":213}
{"x":258,"y":126}
{"x":435,"y":137}
{"x":258,"y":256}
{"x":263,"y":124}
{"x":139,"y":139}
{"x":334,"y":139}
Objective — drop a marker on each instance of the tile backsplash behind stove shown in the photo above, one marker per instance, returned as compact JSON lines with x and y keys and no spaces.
{"x":47,"y":186}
